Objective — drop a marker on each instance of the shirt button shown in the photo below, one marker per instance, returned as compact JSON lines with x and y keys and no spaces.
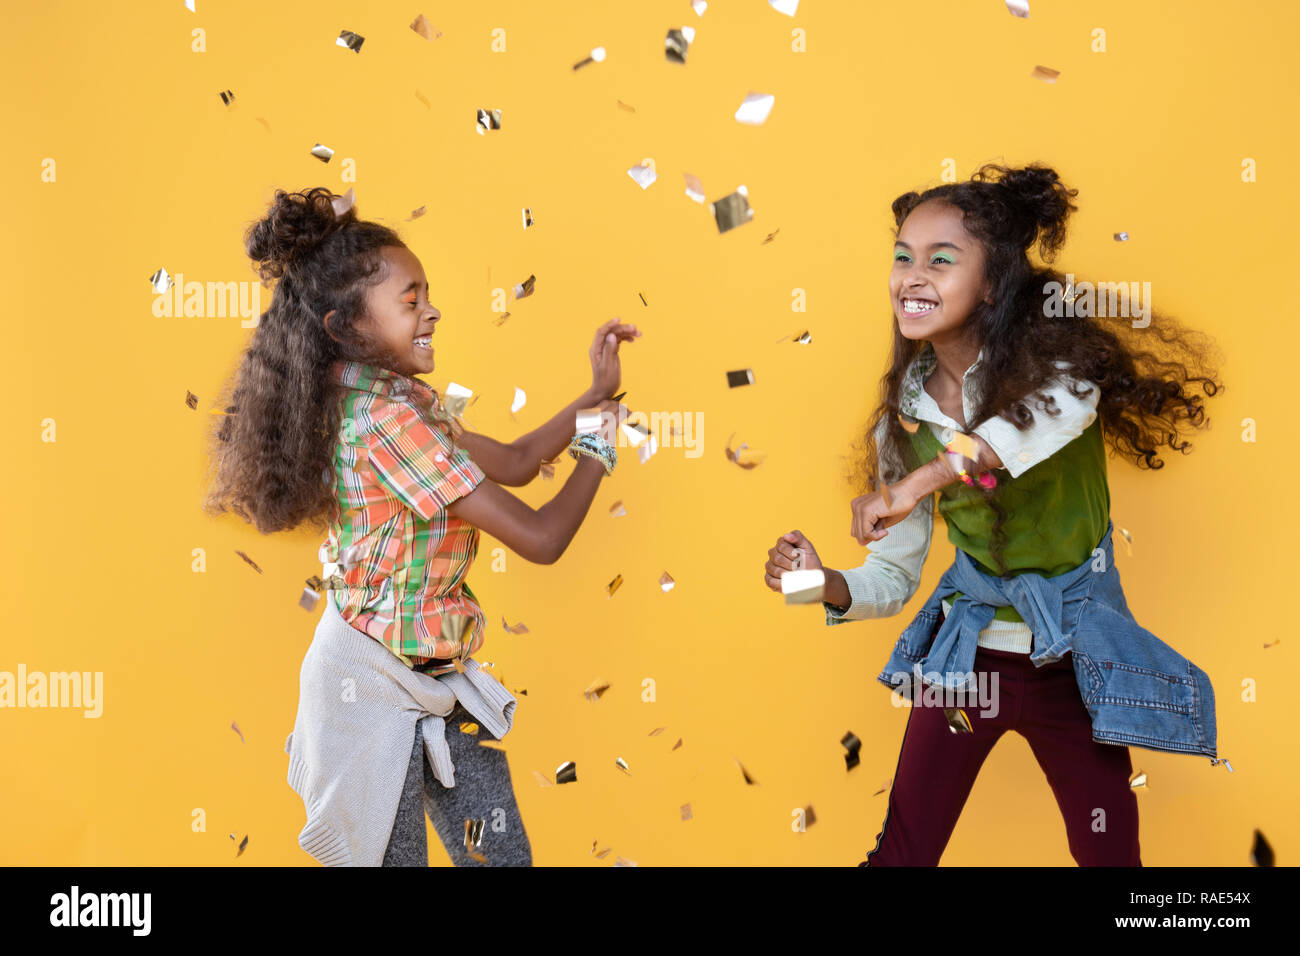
{"x":439,"y":457}
{"x":1024,"y":456}
{"x":1092,"y":417}
{"x":947,"y":435}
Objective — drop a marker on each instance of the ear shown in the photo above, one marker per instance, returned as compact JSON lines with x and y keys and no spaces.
{"x":326,"y":320}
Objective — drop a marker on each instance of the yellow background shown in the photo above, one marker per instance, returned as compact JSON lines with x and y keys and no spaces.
{"x":153,"y":171}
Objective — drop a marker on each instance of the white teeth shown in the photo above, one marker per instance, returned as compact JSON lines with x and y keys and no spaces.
{"x":424,"y":341}
{"x":918,"y":305}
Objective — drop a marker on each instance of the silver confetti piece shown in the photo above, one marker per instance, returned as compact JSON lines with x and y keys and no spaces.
{"x":322,"y":152}
{"x":350,"y":41}
{"x":1121,"y":237}
{"x":160,"y":281}
{"x":488,"y":120}
{"x":677,"y":43}
{"x":1019,"y":8}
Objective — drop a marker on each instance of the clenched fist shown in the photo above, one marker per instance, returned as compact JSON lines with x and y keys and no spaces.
{"x":782,"y":557}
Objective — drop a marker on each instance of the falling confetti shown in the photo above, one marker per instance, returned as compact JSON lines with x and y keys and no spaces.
{"x":677,"y":42}
{"x":423,"y":27}
{"x":1215,"y":761}
{"x":1128,"y":540}
{"x":525,"y":288}
{"x":1046,"y":74}
{"x":643,"y":301}
{"x":488,"y":120}
{"x":515,"y":629}
{"x":1121,"y":237}
{"x":227,"y":97}
{"x":694,"y":188}
{"x":735,"y":455}
{"x":958,"y":722}
{"x":243,"y":845}
{"x":622,"y":862}
{"x":341,"y":204}
{"x":597,"y":55}
{"x":596,"y":689}
{"x":1261,"y":854}
{"x":883,"y":787}
{"x":614,"y":585}
{"x":676,"y":745}
{"x":657,"y":731}
{"x":803,"y":586}
{"x":648,"y":449}
{"x":322,"y":152}
{"x":666,"y":582}
{"x":744,"y":376}
{"x":468,"y":727}
{"x":686,"y":812}
{"x":699,"y":6}
{"x":754,"y":110}
{"x":1019,"y":8}
{"x":566,"y":772}
{"x":809,"y":818}
{"x":541,"y":780}
{"x":474,"y":838}
{"x":630,"y":109}
{"x":160,"y":281}
{"x":520,"y":399}
{"x":250,"y":561}
{"x":547,"y":468}
{"x":745,"y":773}
{"x":191,"y":400}
{"x":603,"y":853}
{"x":788,"y":7}
{"x":908,"y":426}
{"x":1271,"y":643}
{"x":622,"y":765}
{"x":770,"y":237}
{"x":528,"y":217}
{"x":643,"y":174}
{"x":309,"y":599}
{"x":732,"y":211}
{"x":853,"y":745}
{"x":350,"y":41}
{"x":617,"y":510}
{"x":1138,"y":781}
{"x":235,"y":727}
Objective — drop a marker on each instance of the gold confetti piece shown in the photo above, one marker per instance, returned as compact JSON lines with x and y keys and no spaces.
{"x":528,"y":217}
{"x":1045,"y":73}
{"x":908,"y":426}
{"x":566,"y":772}
{"x":622,"y":862}
{"x":744,"y":376}
{"x":514,"y":629}
{"x":614,"y":585}
{"x":676,"y":44}
{"x":603,"y":853}
{"x":416,"y":214}
{"x":735,"y":455}
{"x":884,"y":494}
{"x":423,"y":99}
{"x":1271,"y":643}
{"x":694,"y":188}
{"x":657,"y":731}
{"x":666,"y":582}
{"x":455,"y":399}
{"x":160,"y":281}
{"x":630,"y":109}
{"x":732,"y":211}
{"x":595,"y":56}
{"x":250,"y":561}
{"x":1121,"y":237}
{"x":754,"y":110}
{"x":524,"y":289}
{"x":643,"y":301}
{"x":686,"y":812}
{"x":962,"y":444}
{"x":643,"y":174}
{"x":235,"y":727}
{"x":617,"y":510}
{"x":622,"y":765}
{"x":309,"y":599}
{"x":809,"y":818}
{"x":1138,"y":781}
{"x":243,"y":845}
{"x":1019,"y":8}
{"x":1261,"y":854}
{"x":676,"y":745}
{"x":853,"y":745}
{"x":595,"y":689}
{"x":474,"y":838}
{"x":424,"y":28}
{"x":487,"y":120}
{"x":227,"y":97}
{"x":770,"y":237}
{"x":322,"y":152}
{"x":803,"y":338}
{"x":349,"y":40}
{"x":191,"y":400}
{"x":745,"y":773}
{"x":541,"y":779}
{"x":547,"y":468}
{"x":468,"y":727}
{"x":958,"y":722}
{"x":264,"y":123}
{"x":341,"y":204}
{"x":883,"y":787}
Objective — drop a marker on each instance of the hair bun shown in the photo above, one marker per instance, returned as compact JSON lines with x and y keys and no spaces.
{"x":1041,"y":202}
{"x":295,"y":224}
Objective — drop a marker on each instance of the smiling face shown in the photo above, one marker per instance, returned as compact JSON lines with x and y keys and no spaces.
{"x":399,"y":317}
{"x":938,"y":274}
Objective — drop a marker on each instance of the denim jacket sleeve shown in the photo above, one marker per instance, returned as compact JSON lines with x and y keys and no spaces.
{"x":1021,"y":450}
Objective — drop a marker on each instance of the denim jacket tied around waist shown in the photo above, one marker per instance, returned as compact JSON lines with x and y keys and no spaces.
{"x":1137,"y":689}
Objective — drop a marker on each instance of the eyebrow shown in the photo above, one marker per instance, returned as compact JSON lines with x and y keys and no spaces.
{"x":933,"y":245}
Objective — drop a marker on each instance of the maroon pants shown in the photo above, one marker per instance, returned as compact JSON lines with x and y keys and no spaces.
{"x":937,"y":768}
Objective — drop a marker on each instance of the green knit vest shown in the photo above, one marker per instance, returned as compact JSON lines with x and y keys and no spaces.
{"x":1054,"y":514}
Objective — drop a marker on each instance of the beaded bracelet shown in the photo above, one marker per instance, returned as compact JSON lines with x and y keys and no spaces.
{"x":593,"y":446}
{"x":958,"y":464}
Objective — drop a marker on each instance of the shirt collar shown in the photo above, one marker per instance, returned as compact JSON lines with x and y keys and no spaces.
{"x":385,"y":382}
{"x":916,"y":402}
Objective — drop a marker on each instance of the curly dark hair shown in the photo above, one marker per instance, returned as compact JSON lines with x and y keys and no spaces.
{"x":1143,"y":373}
{"x":274,"y":450}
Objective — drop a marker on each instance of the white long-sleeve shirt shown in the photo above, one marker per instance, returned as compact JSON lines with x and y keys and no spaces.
{"x":891,"y":573}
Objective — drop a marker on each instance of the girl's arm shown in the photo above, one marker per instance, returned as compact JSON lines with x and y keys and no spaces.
{"x":540,"y":535}
{"x":518,"y":462}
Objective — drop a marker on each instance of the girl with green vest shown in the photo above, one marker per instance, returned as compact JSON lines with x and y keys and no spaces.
{"x":1005,"y":384}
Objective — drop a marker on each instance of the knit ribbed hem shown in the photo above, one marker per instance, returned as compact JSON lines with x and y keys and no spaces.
{"x":1014,"y":637}
{"x":327,"y":847}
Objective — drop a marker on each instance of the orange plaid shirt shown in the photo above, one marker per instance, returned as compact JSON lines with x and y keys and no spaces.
{"x":402,"y":558}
